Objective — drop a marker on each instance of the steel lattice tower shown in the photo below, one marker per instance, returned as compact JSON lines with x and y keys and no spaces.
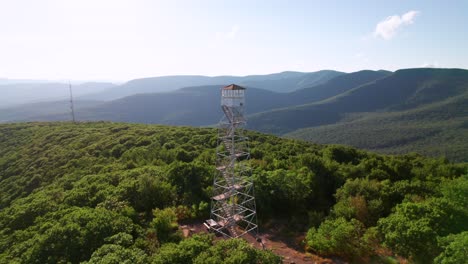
{"x":233,"y":211}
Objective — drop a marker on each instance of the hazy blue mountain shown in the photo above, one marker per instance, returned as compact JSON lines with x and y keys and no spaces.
{"x":43,"y":110}
{"x":22,"y":93}
{"x":198,"y":105}
{"x":12,"y":81}
{"x":289,"y":81}
{"x":335,"y":86}
{"x":405,"y":89}
{"x":278,"y":82}
{"x":195,"y":106}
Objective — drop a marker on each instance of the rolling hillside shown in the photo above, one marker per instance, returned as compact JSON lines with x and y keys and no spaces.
{"x":336,"y":86}
{"x":420,"y":110}
{"x":437,"y":129}
{"x":404,"y":89}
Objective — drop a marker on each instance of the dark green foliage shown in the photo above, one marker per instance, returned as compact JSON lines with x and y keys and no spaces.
{"x":200,"y":249}
{"x":165,"y":224}
{"x":113,"y":193}
{"x":184,"y":252}
{"x":365,"y":200}
{"x":427,"y":201}
{"x":150,"y":191}
{"x":284,"y":191}
{"x":235,"y":251}
{"x":338,"y":237}
{"x":190,"y":178}
{"x":71,"y":234}
{"x":454,"y":249}
{"x":115,"y":254}
{"x":414,"y":228}
{"x":411,"y":231}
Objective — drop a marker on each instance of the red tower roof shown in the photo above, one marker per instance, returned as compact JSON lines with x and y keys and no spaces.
{"x":233,"y":87}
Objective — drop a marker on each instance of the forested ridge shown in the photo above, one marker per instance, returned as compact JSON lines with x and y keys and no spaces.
{"x":101,"y":192}
{"x":411,"y":110}
{"x":423,"y":110}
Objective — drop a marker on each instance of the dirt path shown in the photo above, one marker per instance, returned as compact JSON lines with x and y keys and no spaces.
{"x":291,"y":250}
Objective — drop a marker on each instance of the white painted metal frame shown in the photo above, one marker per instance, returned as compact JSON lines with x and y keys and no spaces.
{"x":233,"y":209}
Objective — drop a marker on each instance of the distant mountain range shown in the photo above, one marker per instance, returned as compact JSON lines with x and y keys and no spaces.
{"x":195,"y":106}
{"x":402,"y":90}
{"x":19,"y":92}
{"x":277,"y":82}
{"x":422,"y":110}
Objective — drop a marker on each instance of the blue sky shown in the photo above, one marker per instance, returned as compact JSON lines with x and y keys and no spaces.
{"x":122,"y":40}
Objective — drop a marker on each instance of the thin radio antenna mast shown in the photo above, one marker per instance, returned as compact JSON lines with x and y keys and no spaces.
{"x":71,"y":102}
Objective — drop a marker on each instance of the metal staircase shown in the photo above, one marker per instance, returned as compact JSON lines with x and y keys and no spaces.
{"x":233,"y":211}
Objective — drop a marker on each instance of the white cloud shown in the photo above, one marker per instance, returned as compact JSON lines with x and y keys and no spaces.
{"x":232,"y":34}
{"x":361,"y":57}
{"x":228,"y":35}
{"x":434,"y":64}
{"x":388,"y":27}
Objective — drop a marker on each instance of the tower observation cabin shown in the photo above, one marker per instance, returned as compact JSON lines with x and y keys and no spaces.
{"x":233,"y":96}
{"x":233,"y":210}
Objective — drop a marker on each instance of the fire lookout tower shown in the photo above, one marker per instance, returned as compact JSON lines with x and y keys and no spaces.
{"x":233,"y":211}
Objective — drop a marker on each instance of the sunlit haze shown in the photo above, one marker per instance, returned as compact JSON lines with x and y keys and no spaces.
{"x":121,"y":40}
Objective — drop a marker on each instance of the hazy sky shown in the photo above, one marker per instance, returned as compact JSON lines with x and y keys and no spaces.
{"x":121,"y":40}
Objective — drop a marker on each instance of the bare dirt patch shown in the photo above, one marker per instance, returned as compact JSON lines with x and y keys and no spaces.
{"x":290,"y":248}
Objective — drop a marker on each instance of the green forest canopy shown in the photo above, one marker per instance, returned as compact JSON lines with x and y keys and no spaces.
{"x":113,"y":193}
